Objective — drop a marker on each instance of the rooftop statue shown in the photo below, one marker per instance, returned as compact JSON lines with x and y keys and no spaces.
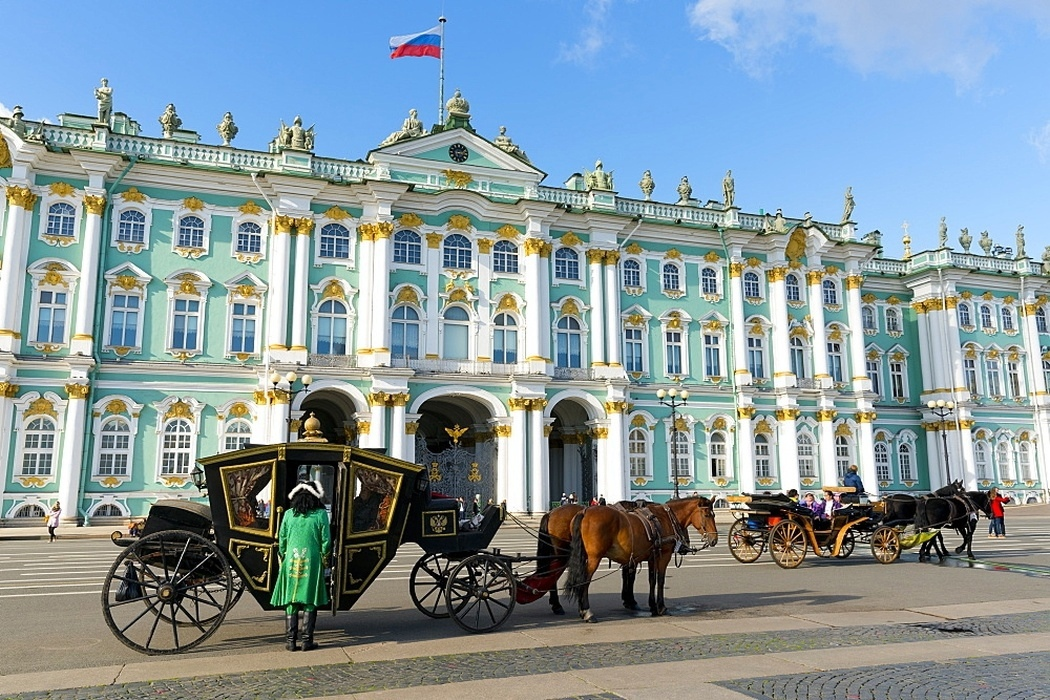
{"x":685,"y":191}
{"x":942,"y":234}
{"x":598,"y":179}
{"x":779,"y":225}
{"x":965,"y":239}
{"x":728,"y":189}
{"x":104,"y":95}
{"x":847,"y":206}
{"x":1046,"y":260}
{"x":294,"y":137}
{"x":1020,"y":243}
{"x":647,"y":185}
{"x":457,"y":106}
{"x":17,"y":125}
{"x":169,"y":121}
{"x":986,"y":243}
{"x":410,"y":129}
{"x":504,"y":142}
{"x":227,"y":129}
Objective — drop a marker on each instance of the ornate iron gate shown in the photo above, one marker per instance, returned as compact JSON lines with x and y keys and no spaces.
{"x":460,"y":470}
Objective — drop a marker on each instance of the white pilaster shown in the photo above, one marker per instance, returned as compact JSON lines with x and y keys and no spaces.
{"x":595,"y":259}
{"x":745,"y":443}
{"x":787,"y":447}
{"x":277,"y":309}
{"x":826,"y":450}
{"x":613,"y":333}
{"x":20,"y":203}
{"x":856,"y":337}
{"x":300,"y":287}
{"x":380,"y":286}
{"x":613,"y":470}
{"x":398,"y":439}
{"x":516,"y":484}
{"x":540,"y":452}
{"x":780,"y":357}
{"x":433,"y":310}
{"x":83,"y":323}
{"x":814,"y":279}
{"x":369,"y":296}
{"x":741,"y":375}
{"x":70,"y":470}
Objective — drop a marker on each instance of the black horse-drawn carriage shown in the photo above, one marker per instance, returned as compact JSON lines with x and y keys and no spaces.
{"x":171,"y":588}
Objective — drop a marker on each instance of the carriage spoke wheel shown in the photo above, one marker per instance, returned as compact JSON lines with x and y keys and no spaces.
{"x":787,"y":544}
{"x":886,"y":545}
{"x":427,"y":584}
{"x":849,"y":543}
{"x":181,"y":589}
{"x":480,"y":593}
{"x":745,"y":545}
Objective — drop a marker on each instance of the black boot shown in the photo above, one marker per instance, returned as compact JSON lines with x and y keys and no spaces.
{"x":309,"y":620}
{"x":291,"y":632}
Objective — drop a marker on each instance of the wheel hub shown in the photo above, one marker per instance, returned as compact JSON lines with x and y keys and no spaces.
{"x":166,"y":592}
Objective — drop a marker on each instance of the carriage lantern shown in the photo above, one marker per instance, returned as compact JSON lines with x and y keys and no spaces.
{"x":197,"y":477}
{"x":674,"y":399}
{"x":942,"y":409}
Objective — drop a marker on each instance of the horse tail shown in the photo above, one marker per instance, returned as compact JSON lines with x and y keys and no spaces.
{"x":544,"y":546}
{"x":577,"y":576}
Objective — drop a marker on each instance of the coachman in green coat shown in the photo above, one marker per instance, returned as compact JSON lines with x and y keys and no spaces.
{"x":304,"y":542}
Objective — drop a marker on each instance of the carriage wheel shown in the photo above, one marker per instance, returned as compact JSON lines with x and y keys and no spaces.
{"x":427,"y":584}
{"x":481,"y":593}
{"x":849,"y":542}
{"x":745,"y":545}
{"x":181,"y":588}
{"x":787,"y":544}
{"x":886,"y":545}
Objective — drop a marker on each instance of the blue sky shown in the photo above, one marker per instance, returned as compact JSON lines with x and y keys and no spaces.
{"x":927,"y":109}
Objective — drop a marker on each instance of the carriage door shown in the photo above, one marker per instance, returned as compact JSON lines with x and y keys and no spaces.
{"x":248,"y":491}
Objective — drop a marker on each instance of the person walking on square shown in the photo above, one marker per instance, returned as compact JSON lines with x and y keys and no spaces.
{"x":998,"y":513}
{"x":52,"y":520}
{"x":304,"y":541}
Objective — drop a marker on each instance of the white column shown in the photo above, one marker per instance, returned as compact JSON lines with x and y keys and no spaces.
{"x":380,"y":286}
{"x":787,"y":447}
{"x":597,"y":321}
{"x":300,"y":285}
{"x":814,"y":278}
{"x":537,"y":303}
{"x":484,"y":328}
{"x":277,"y":309}
{"x":540,"y":452}
{"x":954,"y":344}
{"x":504,"y":450}
{"x":516,"y":485}
{"x":375,"y":416}
{"x":741,"y":375}
{"x":70,"y":470}
{"x":411,"y":426}
{"x":857,"y":365}
{"x":613,"y":334}
{"x":367,"y":294}
{"x":745,"y":441}
{"x":866,"y":451}
{"x":20,"y":202}
{"x":935,"y":328}
{"x":826,"y":432}
{"x":433,"y":310}
{"x":613,"y":470}
{"x":935,"y":452}
{"x":398,"y":442}
{"x":926,"y":359}
{"x":83,"y":323}
{"x":780,"y":357}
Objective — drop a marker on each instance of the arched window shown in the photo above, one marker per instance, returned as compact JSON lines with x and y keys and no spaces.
{"x":107,"y":510}
{"x":505,"y":257}
{"x":965,"y":319}
{"x":843,"y":456}
{"x":331,"y":327}
{"x":1024,"y":461}
{"x":752,"y":286}
{"x":867,"y":318}
{"x":457,"y":252}
{"x":709,"y":281}
{"x":1007,"y":316}
{"x":882,"y":462}
{"x":671,"y":277}
{"x":806,"y":455}
{"x":60,"y":220}
{"x":505,"y":340}
{"x":408,"y":248}
{"x":904,"y":459}
{"x":716,"y":456}
{"x":404,"y":333}
{"x":249,"y":238}
{"x":176,"y":448}
{"x":568,"y":342}
{"x":830,"y":292}
{"x":1004,"y":459}
{"x":792,"y":287}
{"x":798,"y":358}
{"x":762,"y":457}
{"x":638,"y":452}
{"x":566,"y":264}
{"x":38,"y":447}
{"x":30,"y":510}
{"x":455,"y":333}
{"x":632,"y":273}
{"x":986,"y":316}
{"x":191,"y":232}
{"x":114,"y":455}
{"x":980,"y":460}
{"x":335,"y":242}
{"x":1040,"y":320}
{"x":236,"y":434}
{"x":131,"y":227}
{"x":893,"y":321}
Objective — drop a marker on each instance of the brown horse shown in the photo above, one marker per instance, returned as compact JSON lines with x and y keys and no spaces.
{"x":552,"y":554}
{"x":651,"y":533}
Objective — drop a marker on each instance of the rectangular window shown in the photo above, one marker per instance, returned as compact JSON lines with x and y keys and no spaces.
{"x":762,"y":459}
{"x":673,"y":350}
{"x":970,"y":374}
{"x":712,"y":355}
{"x":805,"y":457}
{"x":756,"y":357}
{"x":1013,"y":379}
{"x":124,"y":322}
{"x":681,"y":458}
{"x":835,"y":361}
{"x":51,"y":321}
{"x":991,"y":370}
{"x":882,"y":463}
{"x":637,"y":453}
{"x":632,"y":350}
{"x":872,"y":367}
{"x":185,"y":324}
{"x":897,"y":386}
{"x":717,"y":447}
{"x":242,"y":338}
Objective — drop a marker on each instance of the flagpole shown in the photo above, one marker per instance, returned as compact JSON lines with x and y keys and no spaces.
{"x":441,"y":74}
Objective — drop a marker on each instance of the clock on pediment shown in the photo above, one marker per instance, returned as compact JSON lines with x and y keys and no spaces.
{"x":458,"y":152}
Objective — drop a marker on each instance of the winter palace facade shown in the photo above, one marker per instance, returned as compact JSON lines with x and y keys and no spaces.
{"x":162,"y":300}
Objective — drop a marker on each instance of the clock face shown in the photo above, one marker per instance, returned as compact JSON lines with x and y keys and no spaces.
{"x":458,"y":152}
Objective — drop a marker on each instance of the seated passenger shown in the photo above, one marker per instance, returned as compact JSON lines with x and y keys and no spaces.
{"x":829,"y":505}
{"x":793,"y":495}
{"x":809,"y":502}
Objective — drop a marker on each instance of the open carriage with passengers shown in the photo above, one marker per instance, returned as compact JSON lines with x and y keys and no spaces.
{"x":789,"y":530}
{"x":170,"y":588}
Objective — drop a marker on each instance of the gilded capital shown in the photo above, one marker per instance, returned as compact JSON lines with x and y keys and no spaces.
{"x":814,"y":276}
{"x":746,"y":412}
{"x":736,"y":269}
{"x":284,"y":223}
{"x":783,"y":414}
{"x":304,"y":226}
{"x":95,"y":204}
{"x":77,"y":391}
{"x":595,"y":256}
{"x":434,"y":240}
{"x":533,"y":246}
{"x":826,"y":415}
{"x":854,"y":281}
{"x":383,"y":229}
{"x":616,"y":406}
{"x":612,"y":257}
{"x":776,"y":274}
{"x":19,"y":196}
{"x":866,"y":416}
{"x":600,"y":433}
{"x":485,"y":245}
{"x":502,"y":431}
{"x":9,"y":390}
{"x":919,"y":307}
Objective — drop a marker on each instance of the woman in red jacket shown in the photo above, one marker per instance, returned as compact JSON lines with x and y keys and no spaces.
{"x":998,"y":514}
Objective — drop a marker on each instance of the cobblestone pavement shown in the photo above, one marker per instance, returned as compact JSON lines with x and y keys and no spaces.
{"x":1009,"y":676}
{"x":343,"y":679}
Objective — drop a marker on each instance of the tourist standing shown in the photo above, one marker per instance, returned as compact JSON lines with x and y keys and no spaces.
{"x":998,"y":512}
{"x":52,"y":520}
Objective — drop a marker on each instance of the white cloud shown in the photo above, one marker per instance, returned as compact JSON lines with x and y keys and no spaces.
{"x":592,"y":36}
{"x":1039,"y":139}
{"x":947,"y":37}
{"x":4,"y":111}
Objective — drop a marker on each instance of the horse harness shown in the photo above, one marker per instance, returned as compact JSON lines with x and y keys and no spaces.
{"x":654,"y":530}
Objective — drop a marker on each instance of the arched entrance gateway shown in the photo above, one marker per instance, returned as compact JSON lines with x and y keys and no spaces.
{"x":576,"y":421}
{"x":338,"y":406}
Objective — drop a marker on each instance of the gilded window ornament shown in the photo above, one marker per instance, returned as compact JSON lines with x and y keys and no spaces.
{"x":250,"y":208}
{"x":987,"y":296}
{"x":843,"y":430}
{"x":409,"y":220}
{"x":115,"y":406}
{"x":754,"y":262}
{"x":333,"y":290}
{"x":458,"y":295}
{"x":507,"y":231}
{"x":869,"y":298}
{"x":21,"y":197}
{"x":187,"y":286}
{"x":673,"y":254}
{"x":836,"y":332}
{"x":127,"y":283}
{"x":61,"y":189}
{"x":458,"y":222}
{"x":239,"y":410}
{"x":571,"y":239}
{"x":54,"y":278}
{"x":569,"y":308}
{"x":406,"y":295}
{"x":336,"y":213}
{"x":193,"y":204}
{"x":41,"y":407}
{"x":719,"y":424}
{"x":639,"y":421}
{"x":713,"y":325}
{"x":635,"y":320}
{"x":711,"y":257}
{"x":132,"y":195}
{"x":898,"y":356}
{"x":179,"y":409}
{"x":634,"y":248}
{"x":5,"y":154}
{"x":507,"y":302}
{"x":831,"y":269}
{"x":763,"y":427}
{"x":247,"y":291}
{"x":872,"y":354}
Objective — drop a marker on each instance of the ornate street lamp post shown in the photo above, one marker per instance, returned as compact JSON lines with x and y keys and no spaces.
{"x":290,"y":378}
{"x":673,"y":399}
{"x":942,"y":409}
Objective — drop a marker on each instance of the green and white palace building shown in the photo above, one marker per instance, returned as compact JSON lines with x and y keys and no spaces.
{"x":435,"y":299}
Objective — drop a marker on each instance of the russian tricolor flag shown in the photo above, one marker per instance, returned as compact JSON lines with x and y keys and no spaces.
{"x":426,"y":43}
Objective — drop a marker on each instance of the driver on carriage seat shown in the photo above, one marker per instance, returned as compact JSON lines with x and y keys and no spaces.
{"x":852,"y":478}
